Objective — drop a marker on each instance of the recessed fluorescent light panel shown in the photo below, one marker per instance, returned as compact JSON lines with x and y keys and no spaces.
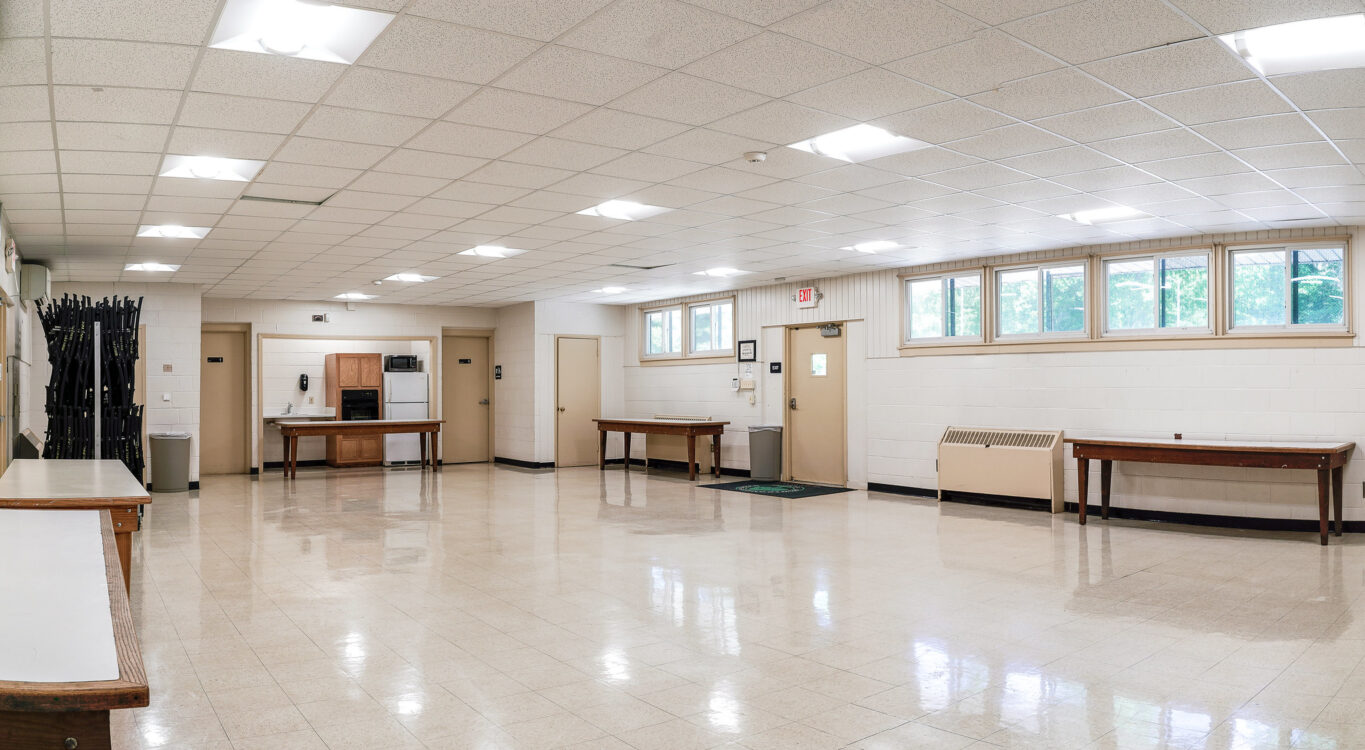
{"x":416,"y":278}
{"x":610,"y":290}
{"x":298,"y":28}
{"x":353,"y":296}
{"x":623,"y":210}
{"x":173,"y":231}
{"x":150,"y":267}
{"x":1302,"y":46}
{"x":873,"y":246}
{"x":859,"y":143}
{"x":210,"y":168}
{"x":492,"y":251}
{"x":1101,"y":215}
{"x":720,"y":273}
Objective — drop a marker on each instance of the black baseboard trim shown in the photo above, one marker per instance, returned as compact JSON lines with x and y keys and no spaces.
{"x":1249,"y":523}
{"x":193,"y":486}
{"x":664,"y":464}
{"x":520,"y":464}
{"x":897,"y":489}
{"x":311,"y":462}
{"x":254,"y":471}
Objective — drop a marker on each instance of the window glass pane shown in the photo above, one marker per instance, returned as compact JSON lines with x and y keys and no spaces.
{"x":1258,"y":288}
{"x":964,"y":306}
{"x":1129,"y":291}
{"x":654,"y":342}
{"x":1018,"y":303}
{"x":675,"y":329}
{"x":1184,"y":286}
{"x":1063,"y":299}
{"x":724,"y":315}
{"x":926,"y":308}
{"x":1316,"y":286}
{"x":819,"y":365}
{"x":701,"y":328}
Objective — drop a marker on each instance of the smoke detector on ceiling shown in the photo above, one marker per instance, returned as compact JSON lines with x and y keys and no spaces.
{"x":755,"y":157}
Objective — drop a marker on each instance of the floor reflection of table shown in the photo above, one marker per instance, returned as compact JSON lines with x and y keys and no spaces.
{"x":70,"y":652}
{"x":689,"y":429}
{"x":78,"y":484}
{"x":1328,"y":459}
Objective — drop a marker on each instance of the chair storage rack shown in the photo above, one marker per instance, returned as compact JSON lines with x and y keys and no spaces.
{"x":93,"y":350}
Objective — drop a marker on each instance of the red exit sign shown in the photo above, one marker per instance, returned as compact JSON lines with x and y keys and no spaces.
{"x":807,"y":297}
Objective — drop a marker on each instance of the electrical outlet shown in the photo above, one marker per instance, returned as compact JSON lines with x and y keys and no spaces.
{"x":166,"y":368}
{"x":165,"y":397}
{"x":310,"y":400}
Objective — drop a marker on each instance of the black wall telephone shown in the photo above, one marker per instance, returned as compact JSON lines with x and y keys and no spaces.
{"x":303,"y":382}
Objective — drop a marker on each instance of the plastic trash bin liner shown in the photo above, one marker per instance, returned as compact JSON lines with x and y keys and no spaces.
{"x":170,"y":461}
{"x":765,"y":452}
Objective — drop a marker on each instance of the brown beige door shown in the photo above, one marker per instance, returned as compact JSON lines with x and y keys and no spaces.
{"x":464,"y":399}
{"x":578,"y":394}
{"x":815,"y":406}
{"x":222,"y":403}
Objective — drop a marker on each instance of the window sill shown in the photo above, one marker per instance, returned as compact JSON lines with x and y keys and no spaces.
{"x":1137,"y":343}
{"x":693,"y":360}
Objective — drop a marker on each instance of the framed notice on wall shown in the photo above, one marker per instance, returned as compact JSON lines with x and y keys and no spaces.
{"x":748,"y":351}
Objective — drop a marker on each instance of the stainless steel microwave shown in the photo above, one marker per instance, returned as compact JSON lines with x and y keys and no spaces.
{"x":400,"y":363}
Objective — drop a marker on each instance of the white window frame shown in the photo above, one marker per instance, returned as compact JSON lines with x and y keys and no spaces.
{"x":1288,"y":248}
{"x":1039,"y":334}
{"x":644,"y":332}
{"x":688,"y":345}
{"x":907,"y":311}
{"x":1102,"y":282}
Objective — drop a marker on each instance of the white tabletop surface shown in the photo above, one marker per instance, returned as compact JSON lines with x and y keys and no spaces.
{"x":71,"y":479}
{"x":54,"y":623}
{"x":650,"y":420}
{"x":361,"y":421}
{"x":1260,"y":445}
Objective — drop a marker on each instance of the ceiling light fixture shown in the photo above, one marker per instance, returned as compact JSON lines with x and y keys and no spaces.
{"x":858,"y":143}
{"x":353,"y":296}
{"x":173,"y":231}
{"x":1101,"y":215}
{"x":210,"y":168}
{"x":610,"y":290}
{"x":492,"y":251}
{"x":720,"y":273}
{"x":623,"y":210}
{"x":873,"y":246}
{"x":151,"y":267}
{"x":415,"y":278}
{"x":1302,"y":46}
{"x":307,"y":29}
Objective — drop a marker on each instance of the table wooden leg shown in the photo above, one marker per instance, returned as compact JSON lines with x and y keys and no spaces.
{"x":422,"y":441}
{"x":625,"y":466}
{"x":435,"y":450}
{"x":692,"y":457}
{"x":1324,"y":479}
{"x":602,"y":451}
{"x":1338,"y":523}
{"x":285,"y":460}
{"x":715,"y":454}
{"x":124,"y":540}
{"x":294,"y":457}
{"x":44,"y":729}
{"x":1106,"y":468}
{"x":1082,"y":477}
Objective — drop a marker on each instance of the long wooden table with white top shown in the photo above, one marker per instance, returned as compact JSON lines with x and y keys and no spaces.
{"x":70,"y":654}
{"x":689,"y":429}
{"x":426,"y":429}
{"x":80,"y":484}
{"x":1327,"y":459}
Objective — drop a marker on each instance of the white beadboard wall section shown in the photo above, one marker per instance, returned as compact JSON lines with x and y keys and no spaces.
{"x":900,"y":405}
{"x":514,"y":396}
{"x":171,"y":314}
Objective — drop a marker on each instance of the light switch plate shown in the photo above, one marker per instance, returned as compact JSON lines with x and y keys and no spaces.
{"x":165,"y":397}
{"x":166,"y":368}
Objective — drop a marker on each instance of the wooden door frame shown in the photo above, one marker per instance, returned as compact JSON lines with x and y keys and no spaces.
{"x":787,"y":389}
{"x":433,"y":390}
{"x":559,"y":336}
{"x":470,"y":333}
{"x":245,"y":330}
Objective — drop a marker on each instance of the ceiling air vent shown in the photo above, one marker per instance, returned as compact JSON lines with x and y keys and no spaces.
{"x":291,"y":201}
{"x":641,"y":268}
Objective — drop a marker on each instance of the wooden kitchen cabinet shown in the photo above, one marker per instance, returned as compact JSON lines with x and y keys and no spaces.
{"x":345,"y":372}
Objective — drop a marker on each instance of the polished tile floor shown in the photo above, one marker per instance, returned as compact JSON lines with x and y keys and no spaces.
{"x":496,"y":608}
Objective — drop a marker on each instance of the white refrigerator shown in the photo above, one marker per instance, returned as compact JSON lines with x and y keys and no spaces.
{"x":405,"y":397}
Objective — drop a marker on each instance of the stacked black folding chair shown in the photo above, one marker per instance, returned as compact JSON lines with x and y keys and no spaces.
{"x":69,"y":324}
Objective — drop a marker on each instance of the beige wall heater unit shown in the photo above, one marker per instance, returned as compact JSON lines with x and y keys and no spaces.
{"x":1013,"y":463}
{"x":674,"y":447}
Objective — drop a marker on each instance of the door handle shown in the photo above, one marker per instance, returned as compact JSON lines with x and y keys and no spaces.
{"x":792,"y":403}
{"x":483,"y":402}
{"x":561,"y":409}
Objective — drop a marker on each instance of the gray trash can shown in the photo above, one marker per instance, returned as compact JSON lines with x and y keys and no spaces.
{"x":170,"y":461}
{"x":765,"y":452}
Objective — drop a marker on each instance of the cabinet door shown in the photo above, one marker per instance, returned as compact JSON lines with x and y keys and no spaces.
{"x":348,"y":371}
{"x":348,"y":449}
{"x":371,"y":371}
{"x":370,"y":448}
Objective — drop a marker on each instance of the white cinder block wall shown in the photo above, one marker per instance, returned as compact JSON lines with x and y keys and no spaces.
{"x":899,"y":406}
{"x":514,"y":345}
{"x":171,"y":313}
